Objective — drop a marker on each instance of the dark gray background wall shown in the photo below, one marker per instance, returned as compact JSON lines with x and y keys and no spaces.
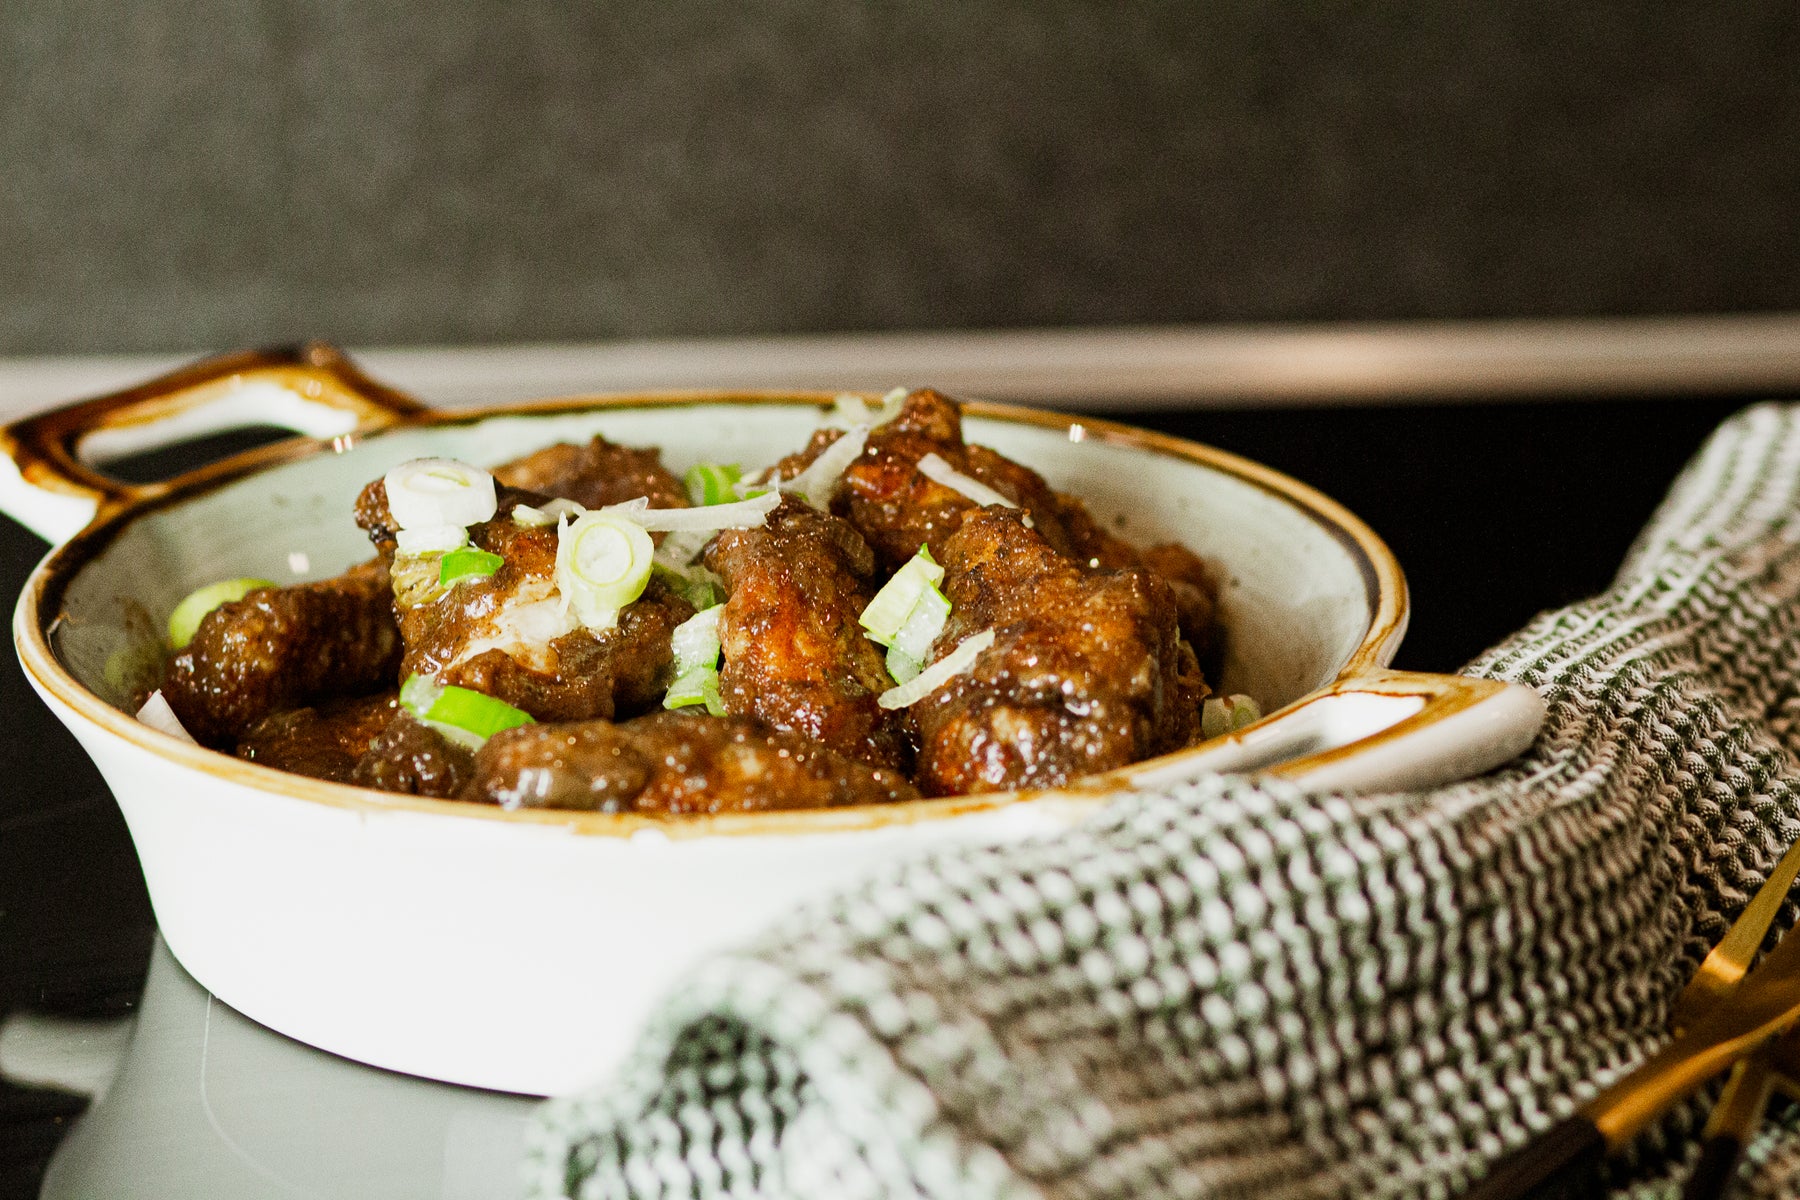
{"x":177,"y":175}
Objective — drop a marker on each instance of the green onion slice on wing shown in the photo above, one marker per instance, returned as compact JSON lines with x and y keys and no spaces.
{"x":934,"y":468}
{"x":467,"y":563}
{"x":696,"y":646}
{"x":184,"y":622}
{"x":468,"y":718}
{"x":603,"y":561}
{"x":886,"y":616}
{"x":818,"y":483}
{"x":713,"y":483}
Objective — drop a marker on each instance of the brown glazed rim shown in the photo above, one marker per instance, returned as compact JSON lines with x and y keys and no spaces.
{"x":46,"y":449}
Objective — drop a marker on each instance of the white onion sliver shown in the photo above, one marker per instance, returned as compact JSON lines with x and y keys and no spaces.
{"x":819,"y":482}
{"x":558,"y":508}
{"x":938,"y":673}
{"x":936,"y":469}
{"x":157,"y":714}
{"x":742,"y":514}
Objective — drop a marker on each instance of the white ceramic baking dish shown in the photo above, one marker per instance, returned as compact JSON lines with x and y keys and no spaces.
{"x":519,"y":950}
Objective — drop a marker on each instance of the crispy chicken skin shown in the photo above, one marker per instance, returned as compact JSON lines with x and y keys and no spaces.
{"x":282,"y":648}
{"x":1087,"y":671}
{"x":487,"y":633}
{"x":794,"y":654}
{"x":596,"y":474}
{"x":674,"y":763}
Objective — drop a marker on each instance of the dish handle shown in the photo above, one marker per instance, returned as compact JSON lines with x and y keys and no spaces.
{"x":1380,"y":730}
{"x":50,"y":479}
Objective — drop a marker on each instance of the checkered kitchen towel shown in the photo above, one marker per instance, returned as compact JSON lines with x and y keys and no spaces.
{"x":1240,"y":989}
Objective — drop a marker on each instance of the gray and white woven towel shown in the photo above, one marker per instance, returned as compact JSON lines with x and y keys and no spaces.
{"x":1240,"y":989}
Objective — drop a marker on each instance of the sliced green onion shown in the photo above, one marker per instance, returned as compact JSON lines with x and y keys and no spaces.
{"x":434,"y":492}
{"x":938,"y":673}
{"x":712,"y":483}
{"x":696,"y":641}
{"x":468,"y":718}
{"x":922,"y":625}
{"x":697,"y":585}
{"x":850,"y":409}
{"x":887,"y":613}
{"x":1221,"y":715}
{"x":699,"y":686}
{"x":157,"y":714}
{"x":602,"y":564}
{"x":902,"y":666}
{"x":186,"y":618}
{"x":467,"y":562}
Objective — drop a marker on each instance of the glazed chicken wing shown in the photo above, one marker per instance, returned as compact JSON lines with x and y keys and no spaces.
{"x":794,"y":653}
{"x":897,"y":507}
{"x":323,"y":741}
{"x":285,"y":647}
{"x":1087,"y":671}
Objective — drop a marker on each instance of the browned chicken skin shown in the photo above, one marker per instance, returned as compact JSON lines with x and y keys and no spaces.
{"x":674,"y":763}
{"x":283,"y":648}
{"x":595,"y":474}
{"x":325,"y":741}
{"x":794,"y":653}
{"x":411,"y":757}
{"x":1087,"y":671}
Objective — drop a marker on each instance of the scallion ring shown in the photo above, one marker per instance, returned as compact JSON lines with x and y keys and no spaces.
{"x":185,"y":620}
{"x":428,"y":493}
{"x":603,"y":561}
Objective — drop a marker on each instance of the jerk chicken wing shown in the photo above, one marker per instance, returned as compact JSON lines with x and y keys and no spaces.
{"x":1087,"y":671}
{"x":794,"y":653}
{"x":285,"y":647}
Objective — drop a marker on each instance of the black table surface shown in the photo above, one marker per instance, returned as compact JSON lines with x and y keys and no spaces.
{"x":1496,"y":510}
